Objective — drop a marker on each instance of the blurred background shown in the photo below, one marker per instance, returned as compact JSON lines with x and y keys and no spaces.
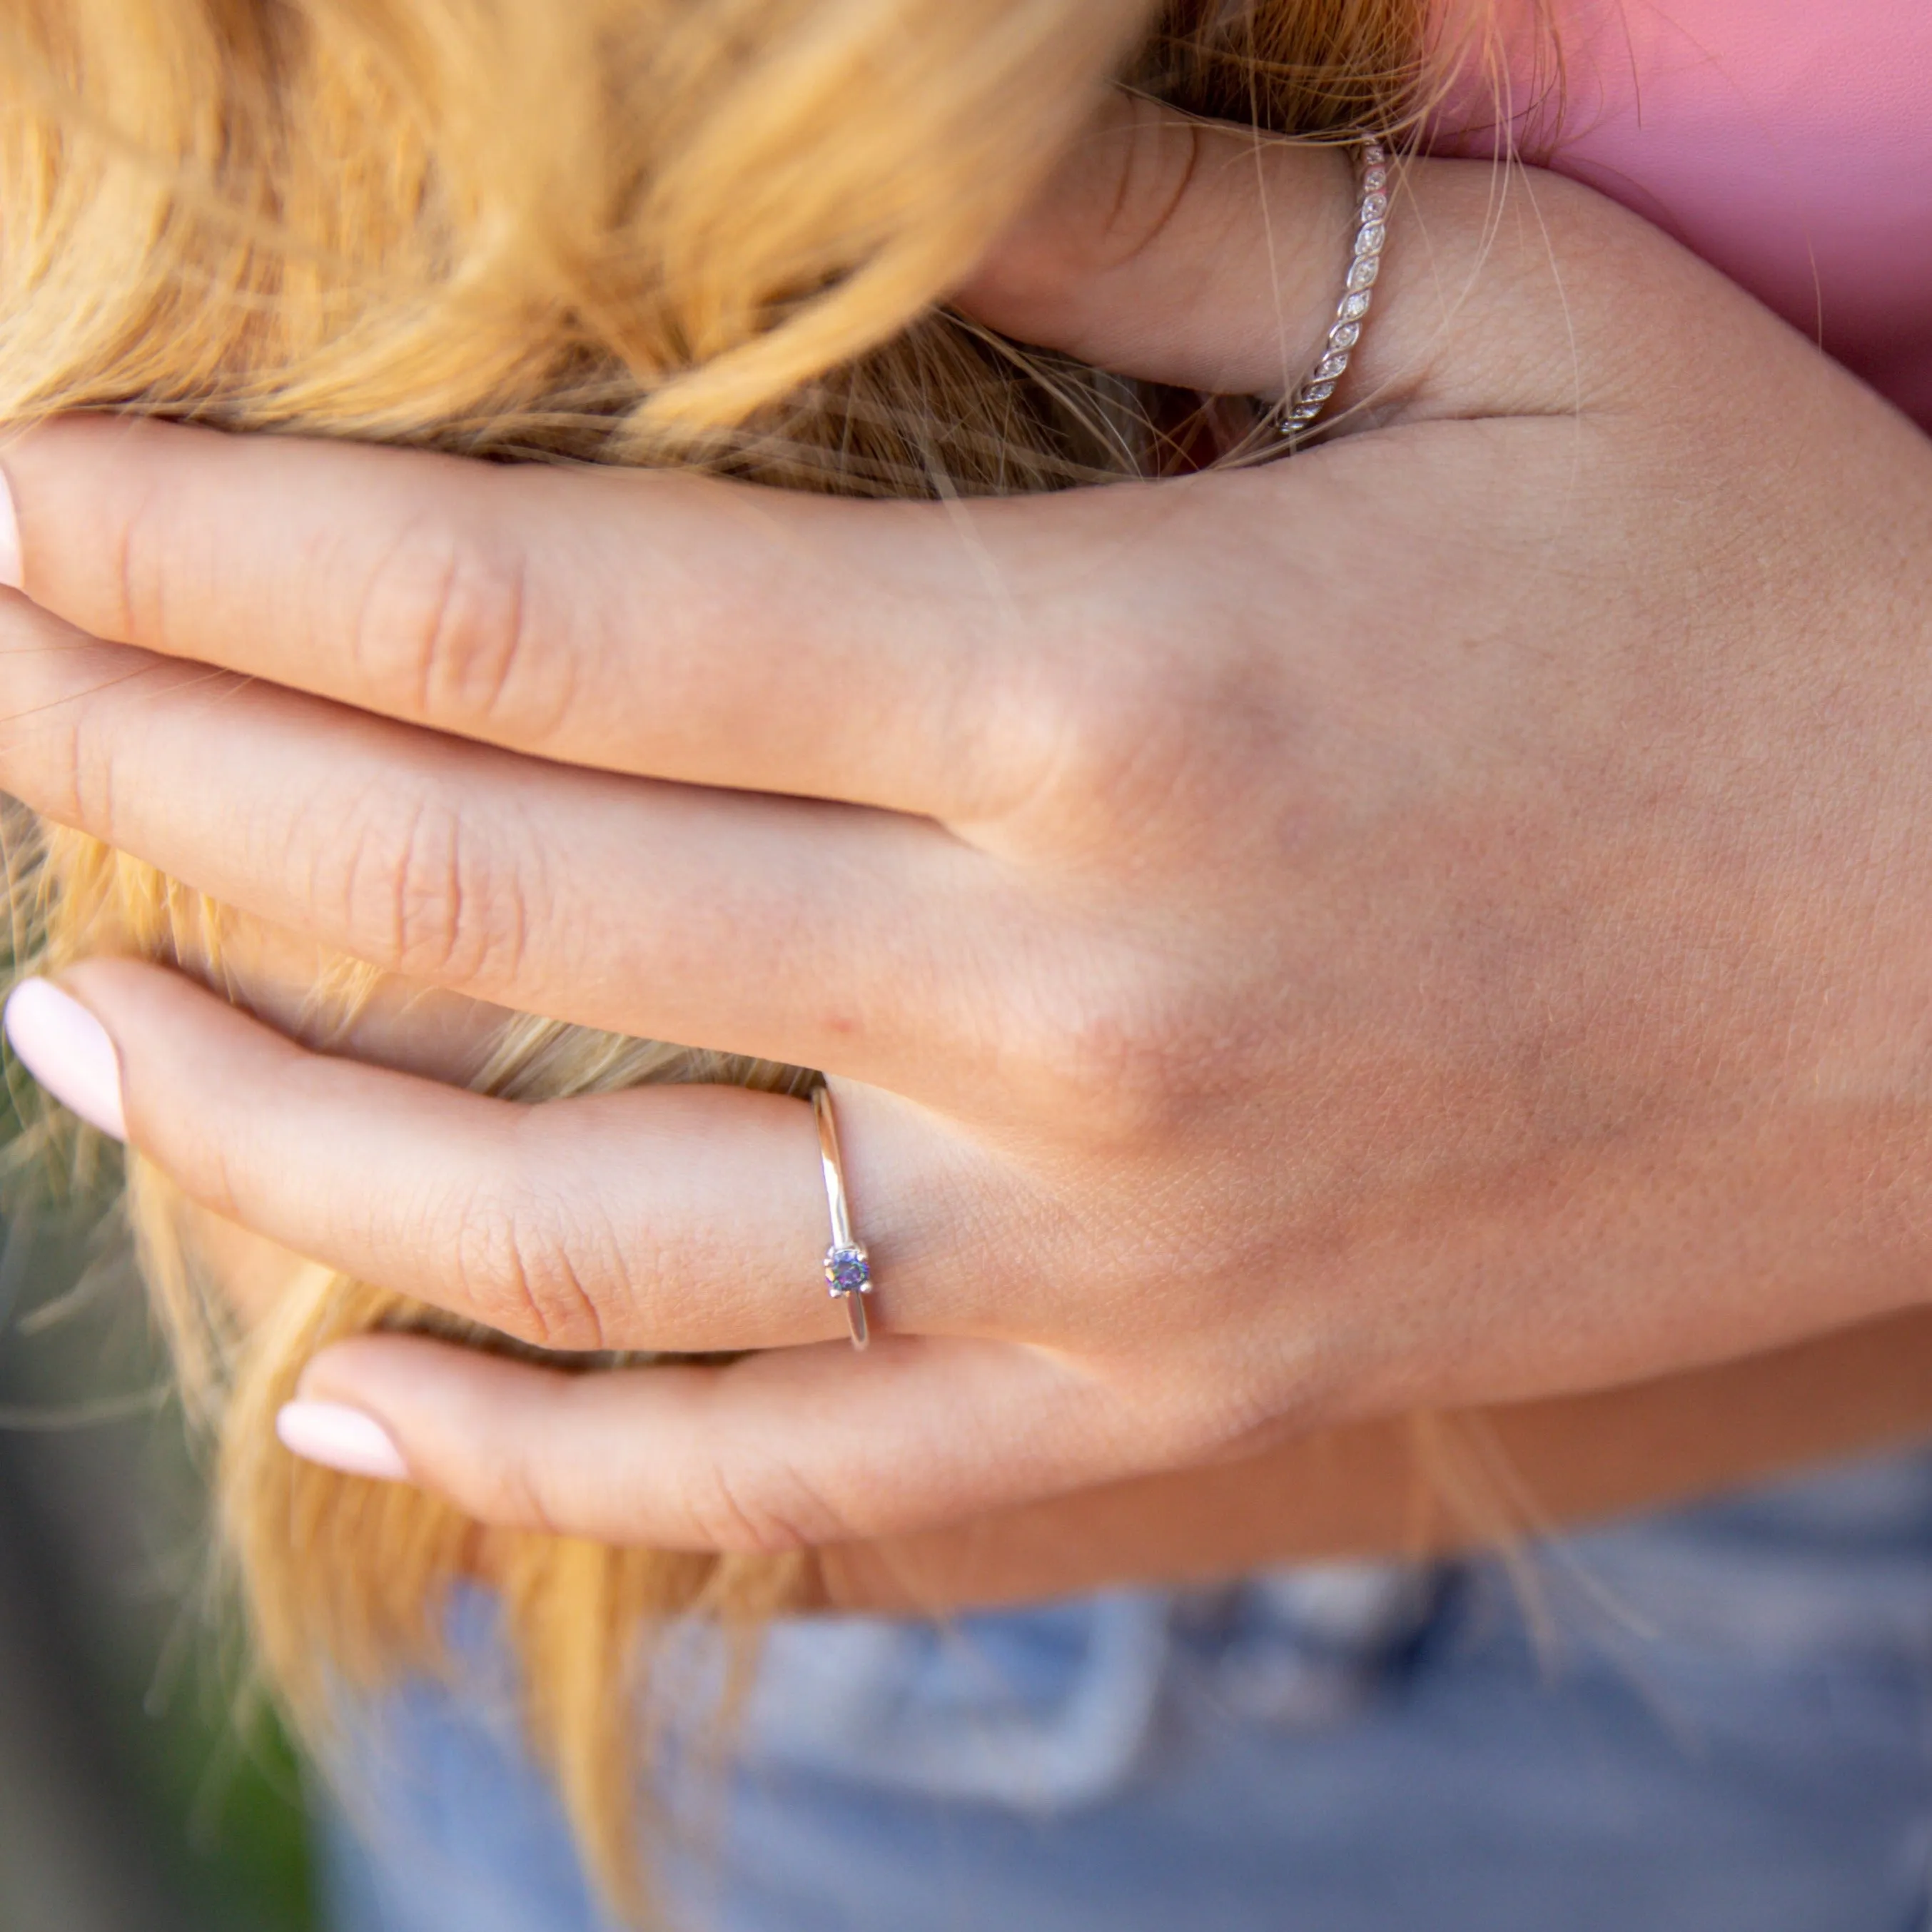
{"x":139,"y":1792}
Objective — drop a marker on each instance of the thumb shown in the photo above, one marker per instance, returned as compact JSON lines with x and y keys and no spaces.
{"x":1212,"y":257}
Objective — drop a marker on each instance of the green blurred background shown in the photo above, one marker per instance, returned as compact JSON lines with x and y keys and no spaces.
{"x":134,"y":1794}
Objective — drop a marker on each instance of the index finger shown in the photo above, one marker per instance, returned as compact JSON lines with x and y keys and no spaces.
{"x":653,"y":625}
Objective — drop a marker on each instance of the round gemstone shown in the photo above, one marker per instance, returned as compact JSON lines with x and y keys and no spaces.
{"x":847,"y":1270}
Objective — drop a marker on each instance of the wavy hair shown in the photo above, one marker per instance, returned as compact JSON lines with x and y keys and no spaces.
{"x":708,"y":232}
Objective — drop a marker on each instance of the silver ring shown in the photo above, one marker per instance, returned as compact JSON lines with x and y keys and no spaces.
{"x":848,"y":1270}
{"x":1295,"y":415}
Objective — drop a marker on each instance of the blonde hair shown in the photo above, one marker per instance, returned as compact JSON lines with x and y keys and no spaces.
{"x":708,"y":232}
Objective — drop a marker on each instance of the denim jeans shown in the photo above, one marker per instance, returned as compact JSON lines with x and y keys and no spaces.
{"x":1716,"y":1720}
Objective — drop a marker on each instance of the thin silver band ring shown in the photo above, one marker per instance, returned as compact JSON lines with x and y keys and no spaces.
{"x":1295,"y":416}
{"x":848,"y":1270}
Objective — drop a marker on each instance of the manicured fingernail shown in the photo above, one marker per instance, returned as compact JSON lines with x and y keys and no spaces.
{"x":343,"y":1438}
{"x":67,"y":1051}
{"x":11,"y":574}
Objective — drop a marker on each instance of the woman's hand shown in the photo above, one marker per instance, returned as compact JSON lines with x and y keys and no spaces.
{"x":1446,"y":919}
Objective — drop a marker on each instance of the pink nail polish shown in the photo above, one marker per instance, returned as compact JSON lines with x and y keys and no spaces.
{"x":340,"y":1438}
{"x":67,"y":1051}
{"x":11,"y":573}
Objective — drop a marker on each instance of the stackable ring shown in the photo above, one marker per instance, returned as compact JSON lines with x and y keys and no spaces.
{"x":848,"y":1271}
{"x":1293,"y":418}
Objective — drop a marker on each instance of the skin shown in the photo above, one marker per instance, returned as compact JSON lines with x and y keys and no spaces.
{"x":1441,"y":922}
{"x":1409,"y":1487}
{"x":1418,"y":1488}
{"x":1412,"y":1487}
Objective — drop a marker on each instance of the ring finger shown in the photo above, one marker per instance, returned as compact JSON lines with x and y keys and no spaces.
{"x":680,"y":1218}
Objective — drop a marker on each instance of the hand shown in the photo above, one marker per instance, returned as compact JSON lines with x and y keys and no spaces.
{"x":1409,"y":1488}
{"x":1447,"y":919}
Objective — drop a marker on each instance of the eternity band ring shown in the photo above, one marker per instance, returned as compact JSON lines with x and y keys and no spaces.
{"x":848,"y":1271}
{"x":1293,"y":417}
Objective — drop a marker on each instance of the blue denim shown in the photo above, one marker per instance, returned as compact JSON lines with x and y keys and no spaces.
{"x":1717,"y":1719}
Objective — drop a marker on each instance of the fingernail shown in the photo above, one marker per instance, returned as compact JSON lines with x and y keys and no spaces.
{"x":67,"y":1051}
{"x":11,"y":574}
{"x":339,"y":1437}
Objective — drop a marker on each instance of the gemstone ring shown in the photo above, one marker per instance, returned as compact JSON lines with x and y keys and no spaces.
{"x":848,"y":1271}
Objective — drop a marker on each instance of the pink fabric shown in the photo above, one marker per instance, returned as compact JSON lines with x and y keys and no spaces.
{"x":1787,"y":142}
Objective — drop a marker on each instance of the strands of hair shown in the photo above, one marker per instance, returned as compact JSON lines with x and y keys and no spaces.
{"x":622,"y":231}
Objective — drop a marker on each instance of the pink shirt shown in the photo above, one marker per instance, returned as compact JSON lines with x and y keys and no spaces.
{"x":1787,"y":142}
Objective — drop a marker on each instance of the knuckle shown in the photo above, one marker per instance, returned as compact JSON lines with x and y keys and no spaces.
{"x":210,"y":1168}
{"x":446,"y":619}
{"x":146,"y":555}
{"x":1122,"y":742}
{"x":760,"y":1505}
{"x":65,"y":750}
{"x":78,"y":788}
{"x":519,"y":1494}
{"x":1091,"y":758}
{"x":84,"y":761}
{"x":1125,"y":1063}
{"x":518,"y":1266}
{"x":1157,"y":164}
{"x":1122,"y":194}
{"x":434,"y":894}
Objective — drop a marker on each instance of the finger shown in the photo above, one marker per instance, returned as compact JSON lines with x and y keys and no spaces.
{"x":1192,"y":253}
{"x":774,"y":1452}
{"x":782,"y":928}
{"x":728,"y":635}
{"x":689,"y":1219}
{"x":660,"y":625}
